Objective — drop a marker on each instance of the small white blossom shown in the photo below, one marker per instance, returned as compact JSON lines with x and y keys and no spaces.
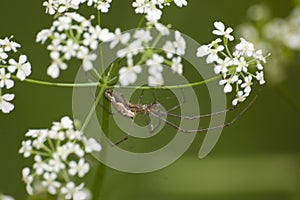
{"x":142,"y":36}
{"x":22,"y":66}
{"x":119,"y":37}
{"x":39,"y":165}
{"x":5,"y":105}
{"x":155,"y":80}
{"x":180,"y":3}
{"x":9,"y":45}
{"x":220,"y":30}
{"x":177,"y":65}
{"x":50,"y":182}
{"x":28,"y":179}
{"x":247,"y":84}
{"x":260,"y":77}
{"x":222,"y":65}
{"x":179,"y":44}
{"x":227,"y":83}
{"x":86,"y":58}
{"x":5,"y":80}
{"x":128,"y":75}
{"x":71,"y":189}
{"x":91,"y":145}
{"x":80,"y":168}
{"x":245,"y":47}
{"x":240,"y":97}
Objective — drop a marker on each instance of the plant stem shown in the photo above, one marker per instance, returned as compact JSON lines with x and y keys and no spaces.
{"x":39,"y":82}
{"x":101,"y":168}
{"x":93,"y":108}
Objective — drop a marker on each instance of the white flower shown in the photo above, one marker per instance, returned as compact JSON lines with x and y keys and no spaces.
{"x":213,"y":54}
{"x":39,"y":165}
{"x":177,"y":65}
{"x":70,"y":49}
{"x":179,"y":44}
{"x":222,"y":32}
{"x":247,"y":84}
{"x":221,"y":66}
{"x":5,"y":106}
{"x":169,"y":49}
{"x":23,"y":67}
{"x":155,"y":64}
{"x":142,"y":36}
{"x":43,"y":35}
{"x":90,"y":41}
{"x":55,"y":164}
{"x":26,"y":148}
{"x":242,"y":65}
{"x":240,"y":97}
{"x":51,"y":183}
{"x":5,"y":79}
{"x":50,"y":7}
{"x":162,"y":29}
{"x":260,"y":77}
{"x":28,"y":179}
{"x":140,"y":6}
{"x":101,"y":34}
{"x":65,"y":123}
{"x":83,"y":194}
{"x":63,"y":23}
{"x":180,"y":3}
{"x":245,"y":47}
{"x":6,"y":197}
{"x":91,"y":145}
{"x":155,"y":80}
{"x":228,"y":82}
{"x":3,"y":56}
{"x":76,"y":149}
{"x":153,"y":15}
{"x":80,"y":168}
{"x":103,"y":6}
{"x":71,"y":189}
{"x":9,"y":45}
{"x":57,"y":65}
{"x":86,"y":58}
{"x":128,"y":75}
{"x":119,"y":38}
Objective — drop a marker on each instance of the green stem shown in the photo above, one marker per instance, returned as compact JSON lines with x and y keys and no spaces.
{"x":38,"y":82}
{"x":95,"y":84}
{"x":92,"y":110}
{"x":141,"y":22}
{"x":100,"y":168}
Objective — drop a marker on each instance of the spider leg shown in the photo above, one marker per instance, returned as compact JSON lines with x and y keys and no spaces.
{"x":197,"y":116}
{"x":150,"y":127}
{"x":158,"y":114}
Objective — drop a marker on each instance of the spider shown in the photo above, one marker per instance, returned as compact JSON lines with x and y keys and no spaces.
{"x":130,"y":110}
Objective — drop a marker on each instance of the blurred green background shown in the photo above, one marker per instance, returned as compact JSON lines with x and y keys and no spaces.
{"x":256,"y":158}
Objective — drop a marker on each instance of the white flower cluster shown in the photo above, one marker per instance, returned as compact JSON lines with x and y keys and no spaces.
{"x":5,"y":197}
{"x":138,"y":45}
{"x":61,"y":6}
{"x":152,"y":8}
{"x":235,"y":67}
{"x":59,"y":159}
{"x":71,"y":36}
{"x":280,"y":36}
{"x":20,"y":68}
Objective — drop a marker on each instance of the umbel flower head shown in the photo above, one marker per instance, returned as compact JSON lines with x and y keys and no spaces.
{"x":59,"y":159}
{"x":72,"y":36}
{"x":240,"y":69}
{"x":11,"y":66}
{"x":138,"y":50}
